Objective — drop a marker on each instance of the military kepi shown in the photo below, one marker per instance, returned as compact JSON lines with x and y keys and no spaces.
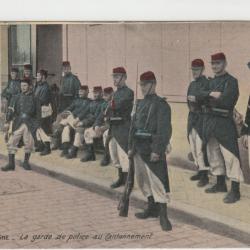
{"x":148,"y":76}
{"x":108,"y":90}
{"x":66,"y":64}
{"x":197,"y":63}
{"x":43,"y":72}
{"x":97,"y":89}
{"x":119,"y":70}
{"x":218,"y":57}
{"x":14,"y":69}
{"x":84,"y":87}
{"x":27,"y":67}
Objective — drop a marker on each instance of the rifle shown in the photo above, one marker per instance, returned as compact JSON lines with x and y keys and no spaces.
{"x":124,"y":200}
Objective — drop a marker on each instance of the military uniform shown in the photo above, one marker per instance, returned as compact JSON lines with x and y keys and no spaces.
{"x":195,"y":124}
{"x":70,"y":86}
{"x":42,"y":92}
{"x":13,"y":88}
{"x":120,"y":117}
{"x":246,"y":127}
{"x":78,"y":109}
{"x":150,"y":132}
{"x":97,"y":112}
{"x":220,"y":134}
{"x":24,"y":111}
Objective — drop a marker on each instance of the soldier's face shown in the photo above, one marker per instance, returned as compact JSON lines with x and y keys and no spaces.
{"x":107,"y":97}
{"x":218,"y":66}
{"x":13,"y":75}
{"x":38,"y":77}
{"x":66,"y":70}
{"x":118,"y":80}
{"x":83,"y":93}
{"x":27,"y":73}
{"x":97,"y":95}
{"x":197,"y":72}
{"x":147,"y":88}
{"x":24,"y":87}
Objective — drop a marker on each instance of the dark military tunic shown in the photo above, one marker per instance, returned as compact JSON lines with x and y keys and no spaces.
{"x":25,"y":108}
{"x":217,"y":125}
{"x":153,"y":115}
{"x":69,"y":90}
{"x":123,"y":104}
{"x":195,"y":116}
{"x":100,"y":120}
{"x":79,"y":107}
{"x":42,"y":92}
{"x":246,"y":128}
{"x":13,"y":88}
{"x":95,"y":108}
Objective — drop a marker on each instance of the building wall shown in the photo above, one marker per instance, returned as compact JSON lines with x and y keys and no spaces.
{"x":165,"y":48}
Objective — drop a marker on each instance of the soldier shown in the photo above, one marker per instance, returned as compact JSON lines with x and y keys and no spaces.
{"x":121,"y":107}
{"x":220,"y":131}
{"x":70,"y":85}
{"x":245,"y":132}
{"x":14,"y":86}
{"x":24,"y":111}
{"x":149,"y":136}
{"x":98,"y":129}
{"x":78,"y":109}
{"x":195,"y":120}
{"x":27,"y":74}
{"x":95,"y":110}
{"x":42,"y":92}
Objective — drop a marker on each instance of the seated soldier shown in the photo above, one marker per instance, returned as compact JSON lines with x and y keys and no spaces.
{"x":99,"y":129}
{"x":86,"y":120}
{"x":70,"y":117}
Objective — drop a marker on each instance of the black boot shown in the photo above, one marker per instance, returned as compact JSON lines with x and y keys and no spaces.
{"x":164,"y":221}
{"x":195,"y":177}
{"x":220,"y":186}
{"x":121,"y":179}
{"x":56,"y":144}
{"x":234,"y":194}
{"x":72,"y":153}
{"x":151,"y":211}
{"x":57,"y":137}
{"x":39,"y":146}
{"x":11,"y":165}
{"x":46,"y":150}
{"x":203,"y":178}
{"x":65,"y":149}
{"x":106,"y":159}
{"x":26,"y":164}
{"x":89,"y":153}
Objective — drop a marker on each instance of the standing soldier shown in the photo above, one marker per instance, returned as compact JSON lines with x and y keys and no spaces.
{"x":220,"y":130}
{"x":14,"y":86}
{"x":70,"y":85}
{"x":98,"y":127}
{"x":195,"y":120}
{"x":27,"y":74}
{"x":43,"y":94}
{"x":121,"y":106}
{"x":245,"y":132}
{"x":149,"y":136}
{"x":24,"y":111}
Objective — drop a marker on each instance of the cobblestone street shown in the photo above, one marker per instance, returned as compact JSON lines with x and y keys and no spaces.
{"x":37,"y":211}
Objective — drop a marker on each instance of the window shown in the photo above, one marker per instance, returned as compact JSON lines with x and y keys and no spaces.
{"x":20,"y":44}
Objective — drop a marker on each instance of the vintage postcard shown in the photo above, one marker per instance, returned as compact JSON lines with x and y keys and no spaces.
{"x":125,"y":134}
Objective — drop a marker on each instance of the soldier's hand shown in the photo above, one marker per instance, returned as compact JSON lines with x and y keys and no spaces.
{"x":215,"y":94}
{"x":130,"y":154}
{"x":191,"y":98}
{"x":245,"y":141}
{"x":154,"y":157}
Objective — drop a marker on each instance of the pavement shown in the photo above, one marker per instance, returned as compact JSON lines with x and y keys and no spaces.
{"x":188,"y":202}
{"x":37,"y":211}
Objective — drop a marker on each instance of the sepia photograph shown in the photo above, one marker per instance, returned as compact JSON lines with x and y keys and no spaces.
{"x":125,"y":134}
